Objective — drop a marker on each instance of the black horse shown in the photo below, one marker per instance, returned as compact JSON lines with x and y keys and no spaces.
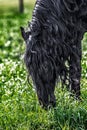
{"x":53,"y":46}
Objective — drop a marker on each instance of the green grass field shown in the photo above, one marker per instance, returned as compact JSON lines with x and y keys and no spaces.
{"x":19,"y":107}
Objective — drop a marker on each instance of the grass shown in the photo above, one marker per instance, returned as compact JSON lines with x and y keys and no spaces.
{"x":19,"y":108}
{"x":8,"y":3}
{"x":13,"y":5}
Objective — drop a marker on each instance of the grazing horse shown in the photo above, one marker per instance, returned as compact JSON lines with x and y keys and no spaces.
{"x":53,"y":46}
